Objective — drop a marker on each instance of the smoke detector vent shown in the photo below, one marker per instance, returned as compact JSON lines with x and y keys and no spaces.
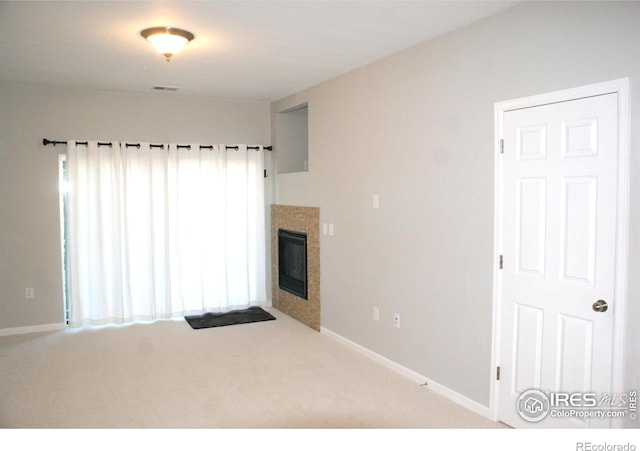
{"x":164,"y":88}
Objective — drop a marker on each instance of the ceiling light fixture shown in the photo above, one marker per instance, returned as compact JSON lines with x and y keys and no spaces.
{"x":167,"y":40}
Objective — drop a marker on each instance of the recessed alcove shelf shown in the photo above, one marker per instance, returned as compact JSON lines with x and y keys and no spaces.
{"x":292,"y":139}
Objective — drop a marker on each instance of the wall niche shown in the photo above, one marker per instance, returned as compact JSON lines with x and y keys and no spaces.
{"x":292,"y":139}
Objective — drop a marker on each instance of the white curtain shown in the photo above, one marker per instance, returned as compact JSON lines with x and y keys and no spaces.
{"x":163,"y":232}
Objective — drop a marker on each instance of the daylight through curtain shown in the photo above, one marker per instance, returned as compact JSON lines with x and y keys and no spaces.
{"x":162,"y":232}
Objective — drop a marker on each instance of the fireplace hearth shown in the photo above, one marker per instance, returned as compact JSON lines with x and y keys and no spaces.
{"x":295,"y":269}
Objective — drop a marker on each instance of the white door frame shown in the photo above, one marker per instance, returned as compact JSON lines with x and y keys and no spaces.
{"x":621,"y":87}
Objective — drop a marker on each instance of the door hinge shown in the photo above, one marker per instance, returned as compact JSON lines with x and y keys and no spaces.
{"x":265,"y":173}
{"x":501,"y":262}
{"x":497,"y":373}
{"x":502,"y":146}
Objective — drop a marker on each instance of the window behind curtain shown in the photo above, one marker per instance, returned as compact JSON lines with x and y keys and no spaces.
{"x":162,"y":232}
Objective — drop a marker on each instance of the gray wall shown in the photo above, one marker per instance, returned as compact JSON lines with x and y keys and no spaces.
{"x":29,"y":215}
{"x":417,"y":128}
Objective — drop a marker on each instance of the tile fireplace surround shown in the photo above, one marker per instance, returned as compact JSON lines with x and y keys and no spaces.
{"x":302,"y":220}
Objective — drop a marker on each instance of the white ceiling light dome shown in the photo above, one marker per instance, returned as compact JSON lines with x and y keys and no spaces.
{"x":167,"y":40}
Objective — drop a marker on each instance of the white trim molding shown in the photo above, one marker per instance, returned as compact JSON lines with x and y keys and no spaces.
{"x":440,"y":389}
{"x":31,"y":329}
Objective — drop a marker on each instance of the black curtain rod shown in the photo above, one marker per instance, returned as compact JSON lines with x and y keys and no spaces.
{"x":46,"y":142}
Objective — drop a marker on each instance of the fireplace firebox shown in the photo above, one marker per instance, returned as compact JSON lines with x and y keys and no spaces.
{"x":292,"y":262}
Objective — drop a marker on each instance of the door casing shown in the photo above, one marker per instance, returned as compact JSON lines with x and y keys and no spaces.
{"x":621,"y":87}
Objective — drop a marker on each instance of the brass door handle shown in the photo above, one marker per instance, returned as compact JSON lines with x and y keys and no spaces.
{"x":600,"y":306}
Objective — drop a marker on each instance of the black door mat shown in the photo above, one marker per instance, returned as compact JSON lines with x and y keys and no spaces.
{"x":250,"y":315}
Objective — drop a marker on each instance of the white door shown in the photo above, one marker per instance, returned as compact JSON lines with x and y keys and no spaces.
{"x":559,"y":193}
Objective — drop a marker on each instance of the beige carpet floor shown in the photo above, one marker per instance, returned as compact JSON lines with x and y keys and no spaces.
{"x":275,"y":374}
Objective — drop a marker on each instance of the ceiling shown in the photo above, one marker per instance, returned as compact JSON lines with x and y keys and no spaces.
{"x":254,"y":50}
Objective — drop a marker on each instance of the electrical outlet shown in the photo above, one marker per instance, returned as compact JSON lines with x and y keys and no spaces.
{"x":375,"y":201}
{"x":376,"y":313}
{"x":29,"y":293}
{"x":396,"y":320}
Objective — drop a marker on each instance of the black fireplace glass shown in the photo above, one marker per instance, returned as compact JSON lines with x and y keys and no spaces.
{"x":292,"y":262}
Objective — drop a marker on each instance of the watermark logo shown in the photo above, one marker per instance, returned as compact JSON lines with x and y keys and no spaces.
{"x":535,"y":405}
{"x":588,"y":446}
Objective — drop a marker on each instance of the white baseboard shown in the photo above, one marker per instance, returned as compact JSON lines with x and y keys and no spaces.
{"x":31,"y":329}
{"x":440,"y":389}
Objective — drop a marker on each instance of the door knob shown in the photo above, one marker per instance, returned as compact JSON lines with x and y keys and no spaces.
{"x":600,"y":306}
